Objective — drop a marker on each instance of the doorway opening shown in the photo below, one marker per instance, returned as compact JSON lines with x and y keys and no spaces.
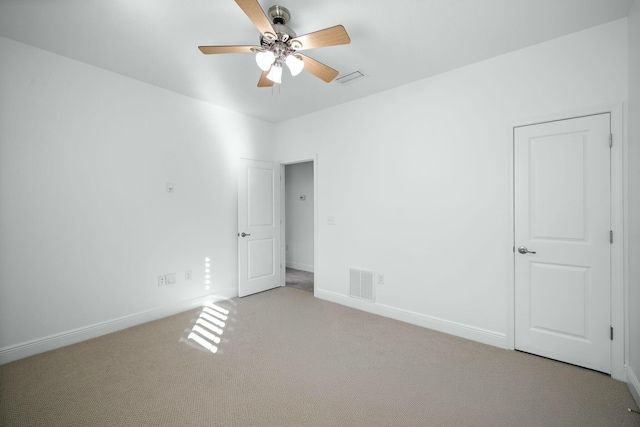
{"x":299,"y":225}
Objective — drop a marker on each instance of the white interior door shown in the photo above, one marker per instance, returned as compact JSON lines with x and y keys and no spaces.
{"x":259,"y":255}
{"x":562,"y":217}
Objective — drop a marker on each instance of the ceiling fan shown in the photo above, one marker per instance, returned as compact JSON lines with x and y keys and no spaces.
{"x":279,"y":45}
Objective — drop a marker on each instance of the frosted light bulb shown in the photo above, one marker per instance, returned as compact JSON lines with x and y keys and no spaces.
{"x":295,"y":64}
{"x":275,"y":75}
{"x":265,"y":59}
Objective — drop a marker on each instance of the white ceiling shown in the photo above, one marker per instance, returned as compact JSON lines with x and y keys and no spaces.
{"x":393,"y":42}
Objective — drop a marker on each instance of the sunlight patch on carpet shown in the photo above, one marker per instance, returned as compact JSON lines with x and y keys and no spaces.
{"x":206,"y":333}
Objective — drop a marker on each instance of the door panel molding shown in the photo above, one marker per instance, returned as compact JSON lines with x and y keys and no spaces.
{"x":618,"y":253}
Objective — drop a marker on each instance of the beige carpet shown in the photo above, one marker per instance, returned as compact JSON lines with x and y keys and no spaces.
{"x":287,"y":358}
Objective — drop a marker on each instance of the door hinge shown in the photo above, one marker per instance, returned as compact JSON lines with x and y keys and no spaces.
{"x":610,"y":140}
{"x":611,"y":236}
{"x":611,"y":333}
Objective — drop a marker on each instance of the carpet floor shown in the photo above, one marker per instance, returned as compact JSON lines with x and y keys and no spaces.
{"x":289,"y":359}
{"x":299,"y":279}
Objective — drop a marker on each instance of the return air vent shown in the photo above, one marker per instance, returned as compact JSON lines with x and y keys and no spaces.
{"x":361,"y":284}
{"x":348,"y":78}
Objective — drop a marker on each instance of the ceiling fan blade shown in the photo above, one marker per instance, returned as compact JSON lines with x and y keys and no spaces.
{"x":207,"y":50}
{"x":318,"y":69}
{"x":264,"y":81}
{"x":331,"y":36}
{"x":253,"y":10}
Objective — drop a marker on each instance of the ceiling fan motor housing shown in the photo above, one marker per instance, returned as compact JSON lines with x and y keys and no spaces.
{"x":279,"y":15}
{"x":281,"y":46}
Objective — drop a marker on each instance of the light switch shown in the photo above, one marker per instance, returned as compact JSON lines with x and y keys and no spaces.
{"x":170,"y":278}
{"x":331,"y":220}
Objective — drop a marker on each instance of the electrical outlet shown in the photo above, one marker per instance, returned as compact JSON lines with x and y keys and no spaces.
{"x":331,"y":220}
{"x":170,"y":278}
{"x":187,"y":275}
{"x":161,"y":281}
{"x":380,"y":279}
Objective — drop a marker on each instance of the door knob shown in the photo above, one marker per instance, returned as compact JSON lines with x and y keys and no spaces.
{"x":524,"y":250}
{"x":244,"y":234}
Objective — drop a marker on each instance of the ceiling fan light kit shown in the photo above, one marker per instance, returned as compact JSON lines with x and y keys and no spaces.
{"x":279,"y":44}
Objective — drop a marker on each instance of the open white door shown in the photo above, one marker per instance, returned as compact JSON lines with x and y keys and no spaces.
{"x":562,"y":243}
{"x":259,"y":255}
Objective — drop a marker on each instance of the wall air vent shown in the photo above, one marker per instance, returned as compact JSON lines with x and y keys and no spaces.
{"x":348,"y":78}
{"x":361,"y":284}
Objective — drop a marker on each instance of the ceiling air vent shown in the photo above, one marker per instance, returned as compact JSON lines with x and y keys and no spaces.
{"x":348,"y":78}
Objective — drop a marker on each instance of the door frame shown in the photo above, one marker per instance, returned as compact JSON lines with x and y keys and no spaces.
{"x":618,"y":252}
{"x":283,"y":219}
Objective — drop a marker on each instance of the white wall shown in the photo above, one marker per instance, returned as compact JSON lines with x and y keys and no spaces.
{"x":633,"y":200}
{"x":418,"y":177}
{"x":299,"y":215}
{"x":86,"y":225}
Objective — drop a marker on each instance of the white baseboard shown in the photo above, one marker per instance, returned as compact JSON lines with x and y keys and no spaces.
{"x":633,"y":384}
{"x":52,"y":342}
{"x":473,"y":333}
{"x":300,"y":266}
